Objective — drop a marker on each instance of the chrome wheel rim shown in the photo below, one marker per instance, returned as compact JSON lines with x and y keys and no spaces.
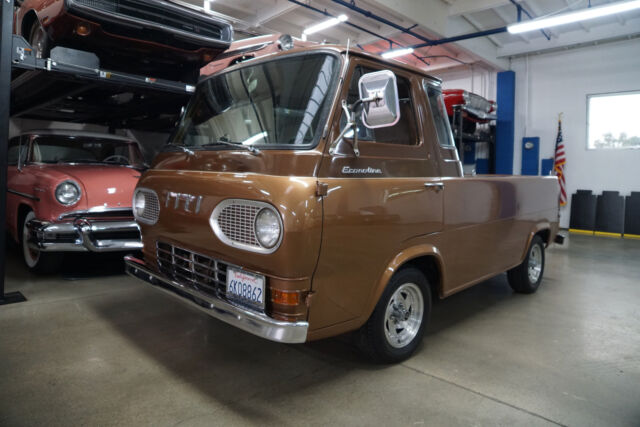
{"x":535,"y":263}
{"x":403,"y":316}
{"x":31,"y":256}
{"x":38,"y":40}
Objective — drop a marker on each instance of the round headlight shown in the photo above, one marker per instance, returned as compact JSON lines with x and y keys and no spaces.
{"x":68,"y":193}
{"x":267,"y":228}
{"x":139,"y":202}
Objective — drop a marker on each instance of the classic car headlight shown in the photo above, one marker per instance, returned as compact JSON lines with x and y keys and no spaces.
{"x":68,"y":193}
{"x":267,"y":228}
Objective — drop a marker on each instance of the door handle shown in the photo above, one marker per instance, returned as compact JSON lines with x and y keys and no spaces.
{"x":434,"y":185}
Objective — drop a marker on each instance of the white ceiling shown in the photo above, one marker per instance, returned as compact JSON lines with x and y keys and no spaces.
{"x":433,"y":19}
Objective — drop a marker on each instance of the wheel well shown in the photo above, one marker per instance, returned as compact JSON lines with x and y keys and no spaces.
{"x":27,"y":22}
{"x":23,"y":210}
{"x":428,"y":265}
{"x":545,"y":235}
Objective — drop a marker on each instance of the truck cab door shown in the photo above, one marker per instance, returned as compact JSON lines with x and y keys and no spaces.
{"x":376,"y":204}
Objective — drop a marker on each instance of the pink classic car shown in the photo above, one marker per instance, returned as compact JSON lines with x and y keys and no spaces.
{"x":70,"y":191}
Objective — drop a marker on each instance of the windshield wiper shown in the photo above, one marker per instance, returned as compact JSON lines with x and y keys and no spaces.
{"x":250,"y":148}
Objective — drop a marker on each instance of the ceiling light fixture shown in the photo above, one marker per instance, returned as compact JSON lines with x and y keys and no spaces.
{"x":394,"y":53}
{"x":575,"y":16}
{"x":324,"y":25}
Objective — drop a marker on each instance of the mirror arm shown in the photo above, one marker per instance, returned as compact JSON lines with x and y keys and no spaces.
{"x":351,"y":124}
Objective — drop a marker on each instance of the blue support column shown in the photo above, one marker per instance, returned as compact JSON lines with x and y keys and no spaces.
{"x":505,"y":124}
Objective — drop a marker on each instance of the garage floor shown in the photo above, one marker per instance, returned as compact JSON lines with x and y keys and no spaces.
{"x":109,"y":350}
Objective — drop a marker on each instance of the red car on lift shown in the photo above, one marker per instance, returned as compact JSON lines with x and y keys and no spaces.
{"x":474,"y":108}
{"x":157,"y":38}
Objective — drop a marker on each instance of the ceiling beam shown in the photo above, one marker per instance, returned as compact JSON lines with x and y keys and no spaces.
{"x":509,"y":21}
{"x":266,"y":15}
{"x":598,"y":34}
{"x":582,"y":25}
{"x":536,"y":12}
{"x":463,"y":7}
{"x":433,"y":16}
{"x":471,"y":20}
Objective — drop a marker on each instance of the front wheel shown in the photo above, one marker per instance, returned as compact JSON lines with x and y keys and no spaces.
{"x":526,"y":277}
{"x":395,"y":329}
{"x":35,"y":260}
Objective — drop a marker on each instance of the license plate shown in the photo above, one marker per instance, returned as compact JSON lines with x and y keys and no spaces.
{"x":245,"y":287}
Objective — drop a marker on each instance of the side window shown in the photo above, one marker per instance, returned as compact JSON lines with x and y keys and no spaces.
{"x":404,"y":132}
{"x":13,"y":151}
{"x":439,"y":115}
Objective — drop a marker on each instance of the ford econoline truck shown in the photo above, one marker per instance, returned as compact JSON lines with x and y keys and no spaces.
{"x":317,"y":191}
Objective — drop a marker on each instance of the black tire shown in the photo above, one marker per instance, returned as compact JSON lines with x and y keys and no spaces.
{"x":375,"y":337}
{"x":521,"y":279}
{"x":39,"y":40}
{"x":37,"y":261}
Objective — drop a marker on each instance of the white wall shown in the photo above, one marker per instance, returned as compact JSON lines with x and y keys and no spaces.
{"x":559,"y":82}
{"x":475,"y":79}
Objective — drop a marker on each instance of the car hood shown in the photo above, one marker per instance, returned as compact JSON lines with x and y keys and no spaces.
{"x":101,"y":185}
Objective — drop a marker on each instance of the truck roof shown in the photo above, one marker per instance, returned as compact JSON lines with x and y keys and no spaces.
{"x":340,"y":49}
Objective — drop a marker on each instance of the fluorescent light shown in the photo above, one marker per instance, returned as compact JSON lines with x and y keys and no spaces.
{"x":324,"y":25}
{"x":254,"y":138}
{"x":571,"y":17}
{"x":394,"y":53}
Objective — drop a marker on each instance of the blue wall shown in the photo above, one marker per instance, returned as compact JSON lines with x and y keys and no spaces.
{"x":505,"y":124}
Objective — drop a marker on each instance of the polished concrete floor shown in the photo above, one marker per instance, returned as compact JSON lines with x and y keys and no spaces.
{"x":98,"y":349}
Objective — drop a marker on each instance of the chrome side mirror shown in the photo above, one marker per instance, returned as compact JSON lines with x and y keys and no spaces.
{"x":381,"y":103}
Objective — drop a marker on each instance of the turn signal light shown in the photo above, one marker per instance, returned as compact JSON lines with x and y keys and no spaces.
{"x":285,"y":297}
{"x":83,"y":29}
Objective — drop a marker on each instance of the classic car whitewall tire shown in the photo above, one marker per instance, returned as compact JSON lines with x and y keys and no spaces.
{"x":526,"y":278}
{"x":396,"y":326}
{"x":35,"y":260}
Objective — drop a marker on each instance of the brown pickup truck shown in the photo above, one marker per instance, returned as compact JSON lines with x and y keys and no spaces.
{"x":317,"y":191}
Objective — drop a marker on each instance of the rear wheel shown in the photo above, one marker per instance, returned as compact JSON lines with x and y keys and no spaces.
{"x":39,"y":40}
{"x":35,"y":260}
{"x":395,"y":329}
{"x":526,"y":277}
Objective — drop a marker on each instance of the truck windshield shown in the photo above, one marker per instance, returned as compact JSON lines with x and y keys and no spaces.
{"x":277,"y":104}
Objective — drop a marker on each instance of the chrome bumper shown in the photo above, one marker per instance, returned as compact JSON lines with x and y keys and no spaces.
{"x":84,"y":235}
{"x":255,"y":323}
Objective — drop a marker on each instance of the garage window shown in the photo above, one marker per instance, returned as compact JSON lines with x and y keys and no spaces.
{"x":612,"y":120}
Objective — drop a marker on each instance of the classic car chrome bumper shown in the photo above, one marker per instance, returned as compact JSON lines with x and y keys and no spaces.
{"x":84,"y":235}
{"x":255,"y":323}
{"x":160,"y":16}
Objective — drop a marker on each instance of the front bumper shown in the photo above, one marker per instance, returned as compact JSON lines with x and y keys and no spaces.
{"x":84,"y":235}
{"x":159,"y":21}
{"x":255,"y":323}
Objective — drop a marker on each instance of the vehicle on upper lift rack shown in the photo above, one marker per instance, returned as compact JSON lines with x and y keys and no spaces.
{"x":474,"y":108}
{"x":156,"y":38}
{"x":70,"y":191}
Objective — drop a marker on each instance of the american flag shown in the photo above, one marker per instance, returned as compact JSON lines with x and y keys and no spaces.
{"x":559,"y":163}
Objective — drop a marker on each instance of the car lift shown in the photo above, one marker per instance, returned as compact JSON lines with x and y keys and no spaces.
{"x":70,"y":86}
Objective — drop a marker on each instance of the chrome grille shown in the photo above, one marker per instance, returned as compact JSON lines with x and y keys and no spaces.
{"x":237,"y":220}
{"x":191,"y":269}
{"x":151,"y":211}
